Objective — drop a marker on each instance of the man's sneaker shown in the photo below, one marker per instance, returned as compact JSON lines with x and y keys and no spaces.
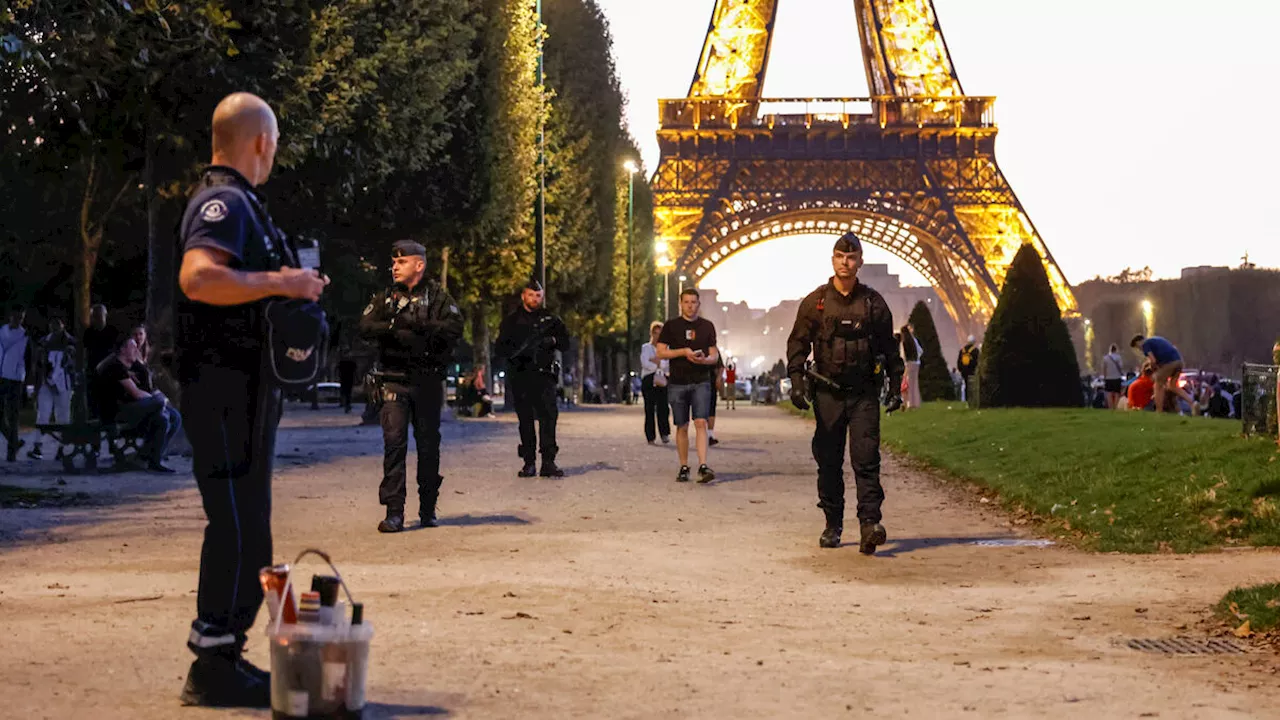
{"x":550,"y":469}
{"x":529,"y":470}
{"x":36,"y":453}
{"x":873,"y":534}
{"x":394,"y":523}
{"x":428,"y":519}
{"x":683,"y":475}
{"x":712,"y":440}
{"x":221,"y":681}
{"x":830,"y":537}
{"x":666,"y":439}
{"x":705,"y":474}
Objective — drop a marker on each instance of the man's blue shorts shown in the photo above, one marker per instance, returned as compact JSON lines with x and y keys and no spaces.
{"x":685,"y":399}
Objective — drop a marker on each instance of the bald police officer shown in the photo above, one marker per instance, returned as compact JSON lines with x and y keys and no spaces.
{"x":416,"y":326}
{"x":849,"y":329}
{"x":529,"y":338}
{"x":233,"y":257}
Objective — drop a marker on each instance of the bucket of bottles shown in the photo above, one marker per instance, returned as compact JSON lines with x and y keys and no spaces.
{"x":319,"y":647}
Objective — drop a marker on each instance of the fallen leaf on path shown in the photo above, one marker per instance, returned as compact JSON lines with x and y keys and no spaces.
{"x":508,"y":594}
{"x":1082,"y":617}
{"x":1140,"y":611}
{"x":58,"y":586}
{"x":1243,"y":631}
{"x":520,"y":616}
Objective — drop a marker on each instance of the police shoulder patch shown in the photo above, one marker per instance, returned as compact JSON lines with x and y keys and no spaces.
{"x":213,"y":211}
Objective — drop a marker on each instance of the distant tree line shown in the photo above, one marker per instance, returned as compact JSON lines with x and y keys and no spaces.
{"x":399,"y":119}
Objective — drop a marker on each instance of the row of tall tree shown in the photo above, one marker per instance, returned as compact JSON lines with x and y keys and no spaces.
{"x":399,"y":119}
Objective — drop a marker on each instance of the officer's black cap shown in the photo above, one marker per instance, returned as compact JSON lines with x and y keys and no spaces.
{"x":407,"y":248}
{"x":534,"y":285}
{"x":848,"y":243}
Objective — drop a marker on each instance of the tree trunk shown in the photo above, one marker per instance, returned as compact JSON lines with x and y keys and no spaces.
{"x":480,"y":345}
{"x":162,"y":256}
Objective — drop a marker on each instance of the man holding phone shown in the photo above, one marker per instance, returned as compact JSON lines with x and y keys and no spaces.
{"x":689,"y":342}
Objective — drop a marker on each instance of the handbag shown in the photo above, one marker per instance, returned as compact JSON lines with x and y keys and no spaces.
{"x":659,"y":379}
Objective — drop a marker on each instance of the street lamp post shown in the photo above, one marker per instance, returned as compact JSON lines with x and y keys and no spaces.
{"x":664,"y":264}
{"x":631,"y":231}
{"x":540,"y":226}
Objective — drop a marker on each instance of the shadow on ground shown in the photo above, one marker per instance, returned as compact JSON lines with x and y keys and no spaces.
{"x":893,"y":548}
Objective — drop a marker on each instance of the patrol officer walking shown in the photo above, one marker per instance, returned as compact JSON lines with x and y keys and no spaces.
{"x":416,"y":326}
{"x":529,"y":339}
{"x":232,"y":257}
{"x":849,"y":329}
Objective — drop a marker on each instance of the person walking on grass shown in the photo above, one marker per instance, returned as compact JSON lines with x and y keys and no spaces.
{"x":911,"y":353}
{"x":1112,"y":376}
{"x":689,"y":343}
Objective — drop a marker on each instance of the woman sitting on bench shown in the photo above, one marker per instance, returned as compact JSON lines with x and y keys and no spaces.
{"x":127,"y":398}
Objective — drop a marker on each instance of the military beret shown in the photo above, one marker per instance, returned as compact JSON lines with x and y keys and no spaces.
{"x":848,"y":243}
{"x":534,"y":285}
{"x":407,"y":248}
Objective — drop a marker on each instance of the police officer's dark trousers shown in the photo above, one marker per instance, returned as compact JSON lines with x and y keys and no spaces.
{"x":417,"y":403}
{"x":534,"y":395}
{"x":231,"y":420}
{"x":853,"y":417}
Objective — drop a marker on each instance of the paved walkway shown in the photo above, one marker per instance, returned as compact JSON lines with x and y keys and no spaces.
{"x":617,"y":593}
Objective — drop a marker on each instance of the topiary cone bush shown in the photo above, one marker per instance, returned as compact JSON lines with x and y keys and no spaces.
{"x":935,"y":378}
{"x":1028,"y":359}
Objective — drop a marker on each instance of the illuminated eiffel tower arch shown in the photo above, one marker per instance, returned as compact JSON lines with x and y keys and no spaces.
{"x":912,"y":169}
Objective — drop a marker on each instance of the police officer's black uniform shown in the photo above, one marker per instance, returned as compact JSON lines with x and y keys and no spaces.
{"x":851,"y":337}
{"x":416,"y":330}
{"x":529,"y":341}
{"x":231,"y":414}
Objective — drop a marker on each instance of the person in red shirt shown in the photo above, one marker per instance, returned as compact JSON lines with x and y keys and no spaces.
{"x":1143,"y":390}
{"x":731,"y":389}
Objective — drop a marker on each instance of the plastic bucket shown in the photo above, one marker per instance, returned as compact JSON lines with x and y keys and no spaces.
{"x":318,"y":671}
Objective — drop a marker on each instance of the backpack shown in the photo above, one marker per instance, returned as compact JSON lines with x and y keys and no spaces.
{"x":966,"y":358}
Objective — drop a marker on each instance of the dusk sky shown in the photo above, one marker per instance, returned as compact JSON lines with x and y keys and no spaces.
{"x":1135,"y":132}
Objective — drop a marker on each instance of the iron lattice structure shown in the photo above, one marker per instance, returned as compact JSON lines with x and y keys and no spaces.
{"x":912,"y":169}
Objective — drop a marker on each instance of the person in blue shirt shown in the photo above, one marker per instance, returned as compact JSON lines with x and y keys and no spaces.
{"x":1167,"y":361}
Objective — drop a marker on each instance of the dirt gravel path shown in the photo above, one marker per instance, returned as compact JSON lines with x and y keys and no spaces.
{"x":616,"y":593}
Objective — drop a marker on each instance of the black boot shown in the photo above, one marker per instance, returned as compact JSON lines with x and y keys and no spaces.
{"x":835,"y":527}
{"x":427,"y":515}
{"x":873,"y":534}
{"x":550,"y":469}
{"x":36,"y":453}
{"x":223,"y":678}
{"x":530,"y":469}
{"x":394,"y":522}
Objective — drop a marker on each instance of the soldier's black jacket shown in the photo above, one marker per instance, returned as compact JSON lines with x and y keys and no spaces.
{"x":416,"y":330}
{"x":529,"y":340}
{"x":846,"y":335}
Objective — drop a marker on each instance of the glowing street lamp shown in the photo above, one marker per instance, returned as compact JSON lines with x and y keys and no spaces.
{"x":1148,"y":318}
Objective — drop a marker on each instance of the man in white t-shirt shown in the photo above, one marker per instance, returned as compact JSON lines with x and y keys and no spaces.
{"x":15,"y":357}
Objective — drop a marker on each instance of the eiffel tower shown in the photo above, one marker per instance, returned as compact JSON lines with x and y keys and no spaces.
{"x":912,"y":169}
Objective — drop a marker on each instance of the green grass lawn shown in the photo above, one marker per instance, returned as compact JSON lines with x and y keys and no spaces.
{"x":1133,"y":482}
{"x":1260,"y":605}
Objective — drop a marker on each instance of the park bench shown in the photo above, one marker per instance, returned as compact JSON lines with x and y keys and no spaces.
{"x":85,"y":440}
